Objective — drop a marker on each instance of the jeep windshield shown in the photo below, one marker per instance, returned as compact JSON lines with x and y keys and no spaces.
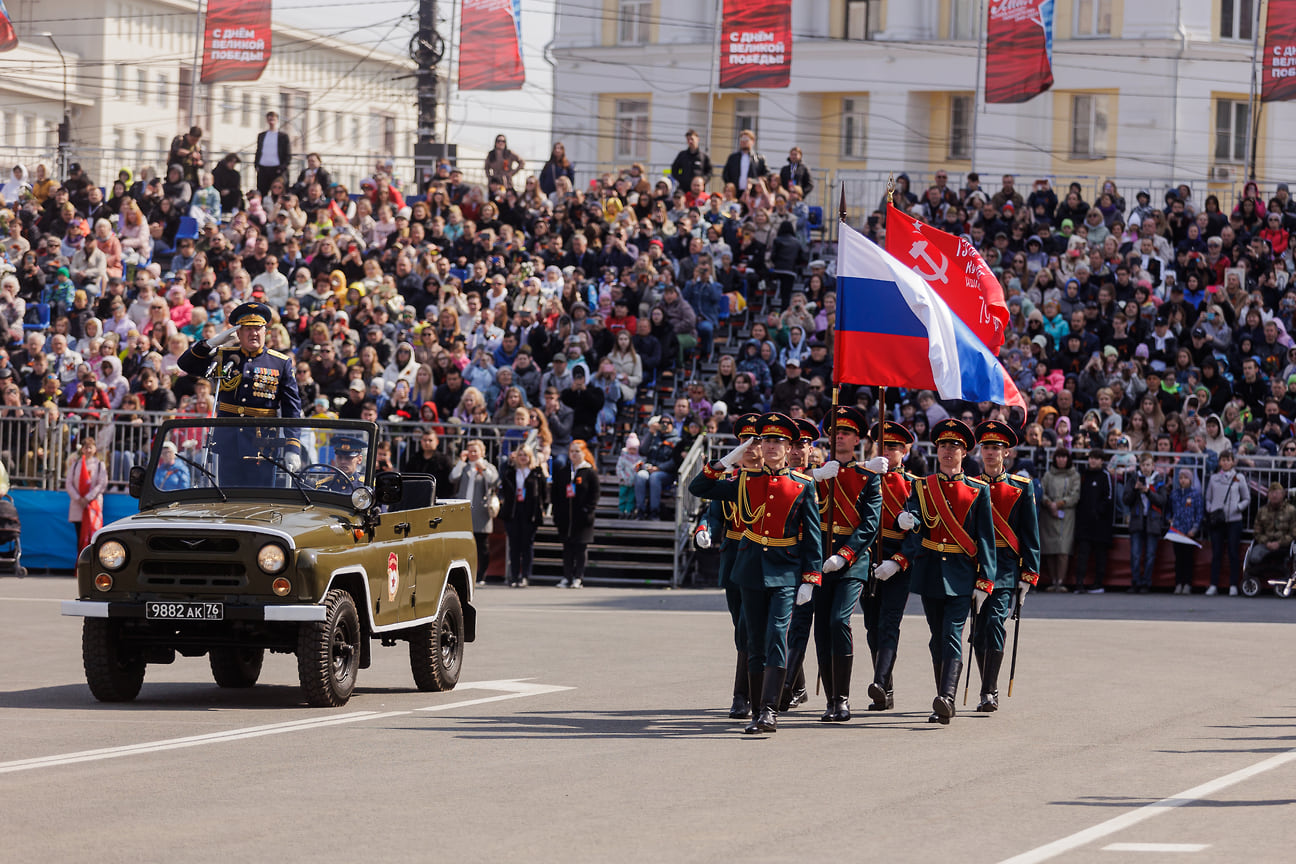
{"x":309,"y":461}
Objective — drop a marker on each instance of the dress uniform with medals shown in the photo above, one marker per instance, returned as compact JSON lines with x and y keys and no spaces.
{"x":780,"y":548}
{"x":855,"y":514}
{"x":794,"y":689}
{"x":1017,"y":549}
{"x":249,"y":385}
{"x":721,"y":521}
{"x":884,"y":609}
{"x":950,"y":556}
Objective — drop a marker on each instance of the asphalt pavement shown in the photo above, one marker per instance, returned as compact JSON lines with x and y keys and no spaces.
{"x":589,"y":726}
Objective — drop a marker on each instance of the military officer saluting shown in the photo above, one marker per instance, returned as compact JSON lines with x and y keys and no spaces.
{"x":780,"y":550}
{"x":1017,"y":549}
{"x":794,"y":689}
{"x":884,"y":610}
{"x":721,"y":521}
{"x":854,"y":515}
{"x":950,"y":556}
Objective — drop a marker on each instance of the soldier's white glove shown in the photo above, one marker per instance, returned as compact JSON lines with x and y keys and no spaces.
{"x":1022,"y":589}
{"x":734,"y":456}
{"x":224,"y":339}
{"x":804,"y":593}
{"x":886,"y":570}
{"x":292,"y":462}
{"x":978,"y":597}
{"x":826,"y":471}
{"x":703,"y":538}
{"x":834,"y":563}
{"x":906,"y":521}
{"x":878,"y":464}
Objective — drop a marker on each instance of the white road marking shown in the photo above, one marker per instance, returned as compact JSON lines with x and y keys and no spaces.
{"x":516,"y":689}
{"x":1147,"y":811}
{"x":1155,"y":847}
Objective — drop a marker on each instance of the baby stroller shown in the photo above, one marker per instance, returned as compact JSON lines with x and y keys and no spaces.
{"x":10,"y":537}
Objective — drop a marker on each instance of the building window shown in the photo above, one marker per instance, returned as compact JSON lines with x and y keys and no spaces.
{"x":632,"y":21}
{"x":139,"y":146}
{"x":1231,"y":119}
{"x":162,"y":91}
{"x":1088,"y":126}
{"x":1094,"y":17}
{"x":382,"y":134}
{"x":141,"y":82}
{"x":746,"y":118}
{"x":863,"y":18}
{"x":963,"y":19}
{"x":121,"y":81}
{"x":338,"y":126}
{"x":854,"y":127}
{"x":630,"y":133}
{"x":960,"y":128}
{"x":1237,"y":19}
{"x":246,"y":110}
{"x":227,"y":105}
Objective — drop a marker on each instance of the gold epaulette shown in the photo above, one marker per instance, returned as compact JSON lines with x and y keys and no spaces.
{"x":1022,"y":477}
{"x":273,"y":353}
{"x":977,"y":480}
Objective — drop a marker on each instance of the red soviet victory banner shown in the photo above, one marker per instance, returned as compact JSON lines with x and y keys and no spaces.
{"x":955,"y":270}
{"x":1278,"y":82}
{"x":756,"y":44}
{"x":490,"y":45}
{"x":1019,"y":50}
{"x":236,"y":40}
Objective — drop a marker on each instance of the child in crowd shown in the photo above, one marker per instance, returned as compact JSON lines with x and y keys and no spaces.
{"x":627,"y":465}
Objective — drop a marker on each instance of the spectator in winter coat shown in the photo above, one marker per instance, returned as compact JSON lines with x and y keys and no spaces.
{"x":1187,"y":510}
{"x":1227,"y":500}
{"x":1094,"y":518}
{"x":1145,"y":496}
{"x":585,"y":402}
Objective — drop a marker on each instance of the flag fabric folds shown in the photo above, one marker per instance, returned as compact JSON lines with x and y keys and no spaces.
{"x":894,"y":330}
{"x":1019,"y":50}
{"x":1278,"y":79}
{"x":957,"y":272}
{"x":490,"y":45}
{"x":8,"y":36}
{"x":755,"y":44}
{"x":237,"y":39}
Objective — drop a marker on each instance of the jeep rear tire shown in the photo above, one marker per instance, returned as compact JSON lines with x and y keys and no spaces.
{"x":436,"y":649}
{"x":328,"y":652}
{"x":114,"y":672}
{"x":236,"y":667}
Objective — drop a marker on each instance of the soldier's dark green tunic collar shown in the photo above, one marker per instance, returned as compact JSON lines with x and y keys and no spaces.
{"x":997,"y":478}
{"x":942,"y":475}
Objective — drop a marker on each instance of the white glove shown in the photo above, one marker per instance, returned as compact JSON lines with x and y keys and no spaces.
{"x":878,"y":464}
{"x":224,"y":339}
{"x":978,"y":597}
{"x":1022,"y":589}
{"x":886,"y":570}
{"x":292,"y":462}
{"x":804,"y":593}
{"x":826,"y":471}
{"x":834,"y":563}
{"x":734,"y":456}
{"x":703,"y":538}
{"x":906,"y":521}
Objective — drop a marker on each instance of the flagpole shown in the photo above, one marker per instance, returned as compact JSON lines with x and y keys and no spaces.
{"x":832,"y":425}
{"x":979,"y":91}
{"x":714,"y":82}
{"x":197,"y":70}
{"x":1252,"y":128}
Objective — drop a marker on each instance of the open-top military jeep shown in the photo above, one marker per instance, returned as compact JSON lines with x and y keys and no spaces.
{"x":269,"y":534}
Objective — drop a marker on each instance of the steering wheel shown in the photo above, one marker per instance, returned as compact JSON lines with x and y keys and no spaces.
{"x":344,"y":478}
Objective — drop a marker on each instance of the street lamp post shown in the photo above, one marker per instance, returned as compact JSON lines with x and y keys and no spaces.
{"x":65,"y":128}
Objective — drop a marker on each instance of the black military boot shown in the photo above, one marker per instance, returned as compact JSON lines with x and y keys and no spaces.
{"x":990,"y":682}
{"x":943,"y":704}
{"x":880,"y":690}
{"x":939,"y":670}
{"x":754,"y":678}
{"x":826,"y":679}
{"x":841,"y":669}
{"x":766,"y":720}
{"x":799,"y":694}
{"x":741,"y":707}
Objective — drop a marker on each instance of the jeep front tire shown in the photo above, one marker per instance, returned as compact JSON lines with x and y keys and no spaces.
{"x":114,"y":672}
{"x":328,"y":652}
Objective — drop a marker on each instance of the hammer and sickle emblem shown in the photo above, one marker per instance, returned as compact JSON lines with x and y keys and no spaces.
{"x":919,"y":253}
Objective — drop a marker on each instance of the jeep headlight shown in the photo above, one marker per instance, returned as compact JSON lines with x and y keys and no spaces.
{"x":362,"y":498}
{"x":112,"y":555}
{"x":271,"y":558}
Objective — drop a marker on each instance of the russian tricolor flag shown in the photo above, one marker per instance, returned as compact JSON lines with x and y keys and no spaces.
{"x":893,"y":330}
{"x":8,"y":38}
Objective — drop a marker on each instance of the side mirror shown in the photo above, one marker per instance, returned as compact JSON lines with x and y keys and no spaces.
{"x":389,"y":487}
{"x":136,"y":481}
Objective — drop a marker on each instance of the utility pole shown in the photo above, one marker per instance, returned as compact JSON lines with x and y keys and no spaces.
{"x":426,"y":50}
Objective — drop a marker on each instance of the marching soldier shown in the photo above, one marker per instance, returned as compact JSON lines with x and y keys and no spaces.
{"x":1017,"y":549}
{"x":950,"y":556}
{"x":794,"y":689}
{"x":854,"y":519}
{"x":721,"y":520}
{"x":884,"y":609}
{"x":780,"y":549}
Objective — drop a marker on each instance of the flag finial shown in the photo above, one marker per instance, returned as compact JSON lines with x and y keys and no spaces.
{"x":842,"y":206}
{"x":890,"y":187}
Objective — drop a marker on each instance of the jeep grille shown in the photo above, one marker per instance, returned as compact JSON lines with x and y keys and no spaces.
{"x":204,"y":545}
{"x":192,"y":574}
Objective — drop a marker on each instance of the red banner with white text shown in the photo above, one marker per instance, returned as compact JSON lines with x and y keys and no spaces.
{"x":236,"y":40}
{"x":490,"y":45}
{"x":1019,"y":50}
{"x":756,"y":44}
{"x":1278,"y":81}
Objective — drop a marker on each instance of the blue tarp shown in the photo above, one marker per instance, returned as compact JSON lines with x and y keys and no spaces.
{"x":48,"y":542}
